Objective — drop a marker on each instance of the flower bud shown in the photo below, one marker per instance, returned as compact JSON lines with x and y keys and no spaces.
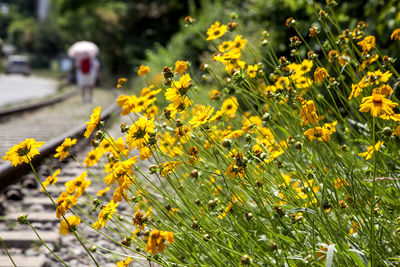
{"x":194,"y":173}
{"x":298,"y":145}
{"x":22,"y":219}
{"x":248,"y":215}
{"x":266,"y":116}
{"x":245,"y":260}
{"x":189,"y":20}
{"x":387,"y":131}
{"x":227,"y":143}
{"x":206,"y":237}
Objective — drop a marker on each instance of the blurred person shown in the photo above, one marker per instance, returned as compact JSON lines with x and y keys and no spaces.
{"x":87,"y":69}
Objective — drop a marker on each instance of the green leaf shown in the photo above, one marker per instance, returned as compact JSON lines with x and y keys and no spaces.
{"x":354,"y":254}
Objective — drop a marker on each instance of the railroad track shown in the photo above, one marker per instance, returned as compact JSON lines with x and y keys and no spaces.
{"x":51,"y":124}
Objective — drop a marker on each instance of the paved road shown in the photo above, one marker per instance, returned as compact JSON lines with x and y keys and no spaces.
{"x":17,"y":88}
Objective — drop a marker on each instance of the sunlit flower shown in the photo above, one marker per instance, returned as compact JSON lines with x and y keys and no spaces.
{"x":320,"y":74}
{"x":370,"y":150}
{"x":106,"y":214}
{"x":215,"y":31}
{"x":121,"y":82}
{"x":202,"y":114}
{"x":50,"y":180}
{"x":321,"y":133}
{"x":156,"y":241}
{"x":384,"y":89}
{"x":64,"y":203}
{"x":169,"y":167}
{"x":234,"y":170}
{"x":23,"y":152}
{"x":140,"y":218}
{"x":225,"y":46}
{"x":78,"y":185}
{"x":356,"y":89}
{"x":395,"y":34}
{"x":143,"y":70}
{"x":377,"y":76}
{"x":124,"y":263}
{"x":369,"y":61}
{"x":180,"y":67}
{"x":215,"y":94}
{"x":367,"y":43}
{"x":230,"y":106}
{"x":252,"y":70}
{"x":93,"y":157}
{"x":308,"y":112}
{"x":69,"y":225}
{"x":63,"y":149}
{"x":94,"y":121}
{"x":378,"y":105}
{"x":339,"y":182}
{"x":138,"y":134}
{"x":238,"y":43}
{"x":103,"y":191}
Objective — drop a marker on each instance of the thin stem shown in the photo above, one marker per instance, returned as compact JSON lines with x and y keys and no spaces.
{"x":8,"y":253}
{"x":44,"y":244}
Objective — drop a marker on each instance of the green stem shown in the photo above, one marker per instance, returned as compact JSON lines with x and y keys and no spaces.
{"x":372,"y":222}
{"x":44,"y":244}
{"x":8,"y":253}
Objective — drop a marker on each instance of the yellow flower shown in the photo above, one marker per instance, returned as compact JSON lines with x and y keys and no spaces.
{"x":106,"y":214}
{"x":340,"y":182}
{"x":238,"y":43}
{"x":215,"y":31}
{"x":63,"y":149}
{"x":151,"y":112}
{"x":202,"y":115}
{"x":23,"y":152}
{"x":370,"y":150}
{"x":395,"y":34}
{"x":378,"y":105}
{"x":143,"y":70}
{"x":215,"y":94}
{"x":169,"y":167}
{"x":93,"y":157}
{"x":78,"y":185}
{"x":140,"y":218}
{"x":225,"y":46}
{"x":180,"y":67}
{"x":369,"y":61}
{"x":121,"y":82}
{"x":252,"y":70}
{"x":321,"y":134}
{"x":138,"y":134}
{"x":378,"y":76}
{"x":308,"y":112}
{"x":94,"y":121}
{"x":103,"y":191}
{"x":50,"y":180}
{"x":69,"y":225}
{"x":234,"y":171}
{"x":356,"y":89}
{"x":64,"y":203}
{"x":124,"y":263}
{"x":156,"y":241}
{"x":368,"y":43}
{"x":384,"y":89}
{"x":230,"y":106}
{"x":320,"y":74}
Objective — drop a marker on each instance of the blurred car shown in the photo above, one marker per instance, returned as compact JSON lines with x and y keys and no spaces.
{"x":18,"y":64}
